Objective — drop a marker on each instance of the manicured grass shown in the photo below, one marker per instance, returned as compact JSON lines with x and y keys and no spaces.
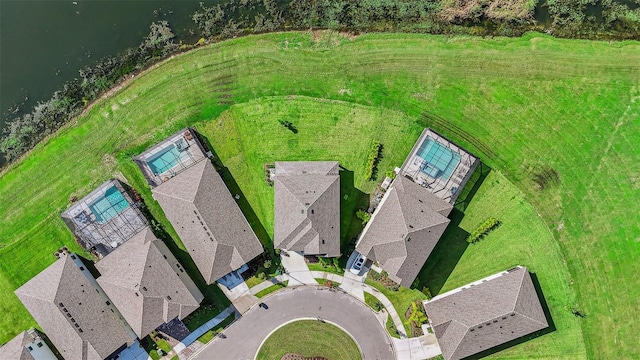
{"x":200,"y":316}
{"x":209,"y":335}
{"x":253,"y":281}
{"x":400,"y":299}
{"x":329,"y":268}
{"x":527,"y":107}
{"x":272,"y":288}
{"x":370,"y":300}
{"x":312,"y":338}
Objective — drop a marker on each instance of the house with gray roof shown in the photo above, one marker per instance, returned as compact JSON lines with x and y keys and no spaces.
{"x":104,"y":219}
{"x":404,"y":229}
{"x":72,"y":309}
{"x":147,"y":284}
{"x":307,"y":207}
{"x":28,"y":345}
{"x":487,"y":313}
{"x":208,"y":220}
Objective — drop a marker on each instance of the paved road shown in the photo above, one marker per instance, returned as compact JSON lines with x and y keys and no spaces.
{"x":244,"y":338}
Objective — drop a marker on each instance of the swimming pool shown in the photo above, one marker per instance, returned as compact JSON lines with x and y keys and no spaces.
{"x":108,"y":206}
{"x":439,"y":160}
{"x":165,"y":159}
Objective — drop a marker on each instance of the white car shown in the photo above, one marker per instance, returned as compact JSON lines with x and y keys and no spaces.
{"x":356,"y":267}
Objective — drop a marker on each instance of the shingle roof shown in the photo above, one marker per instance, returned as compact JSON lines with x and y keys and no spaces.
{"x":15,"y":349}
{"x":307,"y":207}
{"x":144,"y":281}
{"x":404,"y":229}
{"x":208,"y":220}
{"x":490,"y":313}
{"x":64,"y":301}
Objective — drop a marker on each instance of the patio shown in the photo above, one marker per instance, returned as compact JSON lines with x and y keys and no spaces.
{"x":439,"y":165}
{"x":171,"y":156}
{"x":104,"y":219}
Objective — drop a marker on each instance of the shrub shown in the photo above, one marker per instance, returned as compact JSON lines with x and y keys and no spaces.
{"x":267,"y":264}
{"x":372,"y":162}
{"x":426,"y":292}
{"x":390,"y":174}
{"x":278,"y":251}
{"x":363,"y":215}
{"x":483,"y":230}
{"x":377,"y":306}
{"x":262,"y":276}
{"x":288,"y":125}
{"x":324,"y":261}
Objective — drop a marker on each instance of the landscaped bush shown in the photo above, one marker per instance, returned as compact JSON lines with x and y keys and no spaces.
{"x":390,"y":174}
{"x":363,"y":215}
{"x":483,"y":229}
{"x":416,"y":316}
{"x":372,"y":161}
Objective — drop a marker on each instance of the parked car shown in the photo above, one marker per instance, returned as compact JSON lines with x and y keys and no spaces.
{"x":356,"y":267}
{"x":263,"y":305}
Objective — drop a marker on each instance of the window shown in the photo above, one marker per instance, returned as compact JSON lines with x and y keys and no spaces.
{"x":65,"y":310}
{"x":181,"y":270}
{"x":68,"y":315}
{"x":108,"y":303}
{"x":312,"y":211}
{"x":73,"y":320}
{"x":164,"y":256}
{"x":30,"y":348}
{"x":79,"y":330}
{"x":73,"y":257}
{"x":60,"y":304}
{"x":81,"y":268}
{"x":322,"y":241}
{"x":168,"y":297}
{"x":144,"y":288}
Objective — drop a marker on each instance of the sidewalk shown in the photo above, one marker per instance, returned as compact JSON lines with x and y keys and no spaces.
{"x":240,"y":296}
{"x":268,"y":283}
{"x":422,"y":347}
{"x":418,"y":348}
{"x":186,"y":342}
{"x":351,"y":289}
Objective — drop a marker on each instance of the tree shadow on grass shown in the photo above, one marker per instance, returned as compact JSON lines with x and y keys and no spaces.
{"x":520,"y":340}
{"x":351,"y":199}
{"x":453,"y":243}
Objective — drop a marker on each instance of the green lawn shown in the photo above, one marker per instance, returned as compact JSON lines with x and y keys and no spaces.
{"x":209,"y":335}
{"x":531,"y":108}
{"x":313,"y":338}
{"x":272,"y":288}
{"x":522,"y":239}
{"x":400,"y":299}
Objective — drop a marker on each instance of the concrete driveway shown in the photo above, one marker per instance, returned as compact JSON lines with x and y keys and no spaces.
{"x":243,"y":338}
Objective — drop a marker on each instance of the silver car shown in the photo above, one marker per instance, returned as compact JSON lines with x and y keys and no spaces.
{"x":356,"y":267}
